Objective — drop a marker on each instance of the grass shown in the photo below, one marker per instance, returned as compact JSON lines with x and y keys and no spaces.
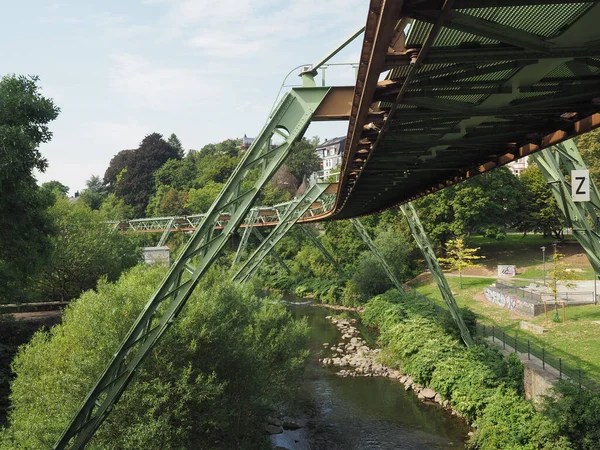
{"x":576,"y":341}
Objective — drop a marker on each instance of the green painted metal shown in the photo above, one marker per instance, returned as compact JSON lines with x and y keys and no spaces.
{"x":582,"y":217}
{"x":424,"y":244}
{"x":274,"y":254}
{"x":315,"y":240}
{"x":165,"y":235}
{"x":290,"y":119}
{"x":287,"y":220}
{"x":250,"y":219}
{"x":386,"y":268}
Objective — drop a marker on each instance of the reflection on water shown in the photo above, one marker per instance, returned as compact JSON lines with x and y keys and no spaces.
{"x":361,"y":413}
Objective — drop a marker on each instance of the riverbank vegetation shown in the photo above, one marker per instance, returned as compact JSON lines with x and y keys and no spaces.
{"x":227,"y":363}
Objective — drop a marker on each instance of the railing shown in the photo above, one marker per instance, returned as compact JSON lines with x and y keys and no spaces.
{"x":524,"y":293}
{"x":554,"y":365}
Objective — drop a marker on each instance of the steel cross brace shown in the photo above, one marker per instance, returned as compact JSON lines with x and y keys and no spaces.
{"x":291,"y":118}
{"x":315,"y":240}
{"x":245,"y":235}
{"x":165,"y":235}
{"x":386,"y":268}
{"x":287,"y":220}
{"x":279,"y":259}
{"x":424,"y":244}
{"x":582,"y":217}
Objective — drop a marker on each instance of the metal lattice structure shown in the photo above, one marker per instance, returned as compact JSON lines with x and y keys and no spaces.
{"x":289,"y":121}
{"x":317,"y":243}
{"x":294,"y":212}
{"x":424,"y":245}
{"x":363,"y":233}
{"x":582,"y":217}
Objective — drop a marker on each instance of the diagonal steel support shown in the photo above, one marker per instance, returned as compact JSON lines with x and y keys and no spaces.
{"x":386,"y":268}
{"x":424,"y":244}
{"x":274,"y":254}
{"x":291,"y":118}
{"x":250,"y":219}
{"x":165,"y":235}
{"x":315,"y":240}
{"x":582,"y":217}
{"x":287,"y":220}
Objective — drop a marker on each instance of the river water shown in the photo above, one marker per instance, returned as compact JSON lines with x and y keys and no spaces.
{"x":360,"y":413}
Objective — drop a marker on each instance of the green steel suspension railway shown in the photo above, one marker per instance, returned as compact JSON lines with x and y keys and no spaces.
{"x":468,"y":86}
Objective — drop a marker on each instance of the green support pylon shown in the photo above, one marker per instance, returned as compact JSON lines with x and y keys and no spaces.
{"x":424,"y":245}
{"x":286,"y":221}
{"x":274,"y":254}
{"x":582,"y":217}
{"x":245,"y":236}
{"x":386,"y":268}
{"x":307,"y":230}
{"x":290,"y":120}
{"x":165,"y":235}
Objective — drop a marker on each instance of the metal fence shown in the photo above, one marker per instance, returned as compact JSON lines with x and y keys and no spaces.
{"x":557,"y":365}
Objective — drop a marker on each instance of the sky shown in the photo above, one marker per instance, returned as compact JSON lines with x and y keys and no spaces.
{"x":206,"y":71}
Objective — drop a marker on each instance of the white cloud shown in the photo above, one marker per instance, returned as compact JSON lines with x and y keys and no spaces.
{"x":161,"y":88}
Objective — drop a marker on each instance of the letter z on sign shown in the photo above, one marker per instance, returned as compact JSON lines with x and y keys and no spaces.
{"x":580,"y":185}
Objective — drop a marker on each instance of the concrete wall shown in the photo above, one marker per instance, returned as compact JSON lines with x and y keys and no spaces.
{"x":512,"y":302}
{"x":157,"y":255}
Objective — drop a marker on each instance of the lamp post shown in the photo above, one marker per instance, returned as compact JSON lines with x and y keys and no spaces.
{"x":544,"y":262}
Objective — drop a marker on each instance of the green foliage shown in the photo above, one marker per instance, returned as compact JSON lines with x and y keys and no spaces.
{"x":199,"y":200}
{"x":83,"y":250}
{"x":588,"y":145}
{"x":130,"y":174}
{"x":482,"y":386}
{"x":177,"y":174}
{"x":485,"y":204}
{"x":24,"y":224}
{"x":576,"y":413}
{"x":303,"y":161}
{"x":94,"y":193}
{"x":114,"y":208}
{"x":459,"y":257}
{"x":225,"y":364}
{"x":539,"y":210}
{"x":56,"y":188}
{"x":176,"y":144}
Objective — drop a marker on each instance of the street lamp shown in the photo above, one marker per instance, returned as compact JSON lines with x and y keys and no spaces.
{"x":544,"y":262}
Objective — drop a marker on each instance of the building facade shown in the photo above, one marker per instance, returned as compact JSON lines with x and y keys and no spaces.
{"x":330,"y":152}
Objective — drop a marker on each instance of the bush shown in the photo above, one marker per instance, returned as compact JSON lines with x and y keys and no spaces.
{"x":210,"y":382}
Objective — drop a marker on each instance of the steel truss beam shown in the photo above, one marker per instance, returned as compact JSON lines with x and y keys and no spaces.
{"x":582,"y":217}
{"x":287,"y":220}
{"x":274,"y":254}
{"x":362,"y":232}
{"x":290,"y":120}
{"x":250,"y":219}
{"x":424,"y":244}
{"x":315,"y":240}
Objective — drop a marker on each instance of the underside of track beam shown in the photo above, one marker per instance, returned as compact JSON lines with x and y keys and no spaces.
{"x":287,"y":220}
{"x":290,"y":120}
{"x":386,"y":267}
{"x":582,"y":217}
{"x":424,"y":244}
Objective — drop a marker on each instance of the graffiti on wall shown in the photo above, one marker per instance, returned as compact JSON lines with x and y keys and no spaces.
{"x":507,"y":301}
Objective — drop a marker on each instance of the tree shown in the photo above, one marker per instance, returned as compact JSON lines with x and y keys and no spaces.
{"x":539,"y":211}
{"x":199,"y":200}
{"x":130,"y":174}
{"x":559,"y":274}
{"x":94,"y":193}
{"x":84,"y":249}
{"x":55,"y":188}
{"x":459,"y":257}
{"x":24,"y":223}
{"x":588,"y":145}
{"x":486,"y":204}
{"x":176,"y":144}
{"x":303,"y":161}
{"x":226,"y":363}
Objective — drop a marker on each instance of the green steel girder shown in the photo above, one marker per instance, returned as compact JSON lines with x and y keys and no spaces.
{"x":287,"y":220}
{"x":386,"y":268}
{"x":274,"y":254}
{"x":245,"y":236}
{"x":165,"y":235}
{"x":291,"y":118}
{"x":582,"y":217}
{"x":424,"y":245}
{"x":315,"y":240}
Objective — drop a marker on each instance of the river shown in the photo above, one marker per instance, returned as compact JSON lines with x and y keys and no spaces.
{"x":360,"y":413}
